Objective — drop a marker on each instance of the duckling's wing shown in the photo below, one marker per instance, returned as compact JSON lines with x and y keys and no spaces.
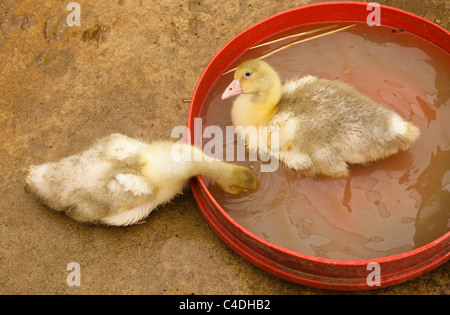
{"x":134,"y":184}
{"x":121,"y":147}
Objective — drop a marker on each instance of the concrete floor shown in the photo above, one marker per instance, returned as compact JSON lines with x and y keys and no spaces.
{"x":126,"y":69}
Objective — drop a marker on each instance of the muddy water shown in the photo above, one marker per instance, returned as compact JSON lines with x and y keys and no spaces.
{"x":381,"y":209}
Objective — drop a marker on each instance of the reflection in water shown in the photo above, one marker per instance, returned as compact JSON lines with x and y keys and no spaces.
{"x":433,"y":186}
{"x":381,"y":209}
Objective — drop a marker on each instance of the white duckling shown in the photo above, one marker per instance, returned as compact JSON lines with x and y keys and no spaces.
{"x":120,"y":180}
{"x":323,"y":125}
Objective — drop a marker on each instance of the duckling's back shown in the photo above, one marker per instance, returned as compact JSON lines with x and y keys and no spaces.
{"x":334,"y":116}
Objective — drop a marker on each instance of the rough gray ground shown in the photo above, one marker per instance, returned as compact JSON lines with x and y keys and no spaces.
{"x":126,"y":69}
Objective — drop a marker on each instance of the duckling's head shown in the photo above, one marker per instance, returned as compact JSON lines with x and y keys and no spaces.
{"x":238,"y":180}
{"x":254,"y":77}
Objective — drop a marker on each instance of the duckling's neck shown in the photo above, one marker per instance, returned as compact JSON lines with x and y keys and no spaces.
{"x":256,"y":109}
{"x":168,"y":166}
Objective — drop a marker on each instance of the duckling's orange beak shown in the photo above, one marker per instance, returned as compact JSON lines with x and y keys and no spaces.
{"x":233,"y":89}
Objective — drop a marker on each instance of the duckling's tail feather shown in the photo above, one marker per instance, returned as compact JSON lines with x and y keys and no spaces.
{"x":40,"y":182}
{"x":411,"y":133}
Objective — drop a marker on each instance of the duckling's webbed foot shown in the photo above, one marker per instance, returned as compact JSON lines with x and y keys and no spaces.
{"x":329,"y":163}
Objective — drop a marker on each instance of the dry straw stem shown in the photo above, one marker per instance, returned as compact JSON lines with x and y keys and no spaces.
{"x":296,"y":42}
{"x":294,"y":35}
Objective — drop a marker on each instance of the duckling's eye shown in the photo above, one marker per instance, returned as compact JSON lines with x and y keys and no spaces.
{"x":247,"y":75}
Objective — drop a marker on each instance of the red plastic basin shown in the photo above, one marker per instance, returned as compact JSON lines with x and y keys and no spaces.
{"x":293,"y":266}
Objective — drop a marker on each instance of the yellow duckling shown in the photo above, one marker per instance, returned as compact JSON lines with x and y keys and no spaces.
{"x":323,"y":125}
{"x":120,"y":180}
